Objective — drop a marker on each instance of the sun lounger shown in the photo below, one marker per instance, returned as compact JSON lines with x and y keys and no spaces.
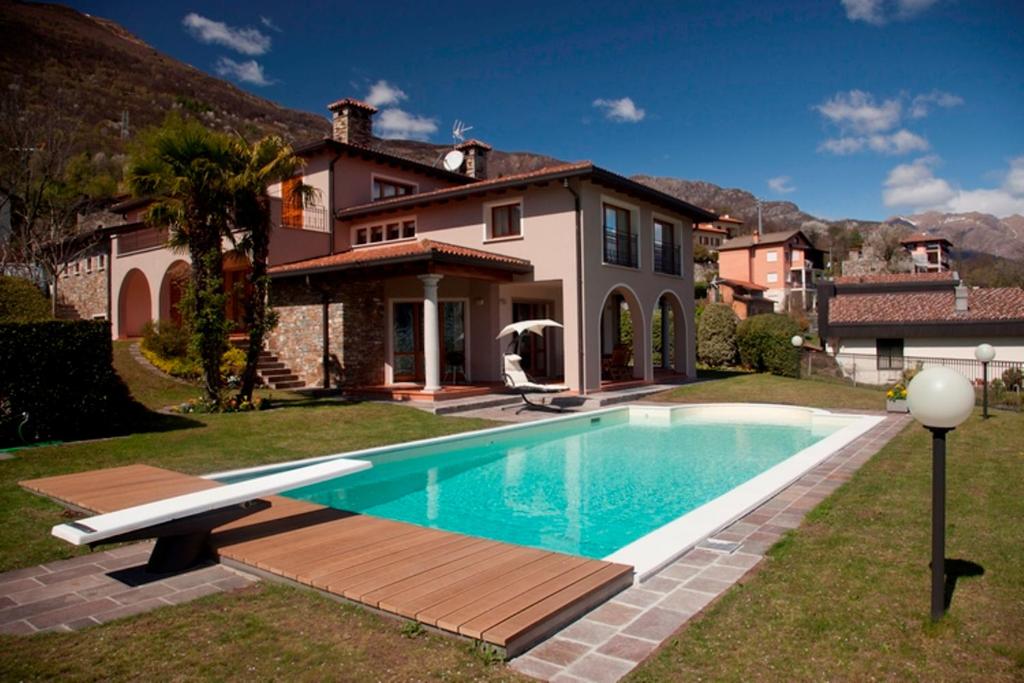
{"x":517,"y":380}
{"x":182,"y":524}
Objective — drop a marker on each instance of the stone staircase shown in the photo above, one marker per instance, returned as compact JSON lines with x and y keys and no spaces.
{"x":276,"y":374}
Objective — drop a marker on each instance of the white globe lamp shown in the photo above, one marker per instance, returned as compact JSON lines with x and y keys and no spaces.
{"x":940,"y":399}
{"x":797,"y":341}
{"x":986,"y":354}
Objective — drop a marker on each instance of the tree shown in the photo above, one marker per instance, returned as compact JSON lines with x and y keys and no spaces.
{"x":716,"y":335}
{"x":885,"y":245}
{"x":267,"y":161}
{"x":187,"y":170}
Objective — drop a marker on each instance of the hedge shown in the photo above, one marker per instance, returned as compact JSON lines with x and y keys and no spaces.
{"x":716,"y":335}
{"x":22,"y":301}
{"x":765,"y":344}
{"x":61,"y":374}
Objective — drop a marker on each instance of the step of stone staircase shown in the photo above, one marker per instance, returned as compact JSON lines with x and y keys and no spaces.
{"x":292,"y":384}
{"x":274,"y":373}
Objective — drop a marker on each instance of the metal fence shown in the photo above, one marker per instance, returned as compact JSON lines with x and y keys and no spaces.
{"x":620,"y":249}
{"x":667,"y":258}
{"x":865,"y":367}
{"x":309,"y":218}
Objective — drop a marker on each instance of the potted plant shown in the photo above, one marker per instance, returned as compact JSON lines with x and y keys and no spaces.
{"x":896,"y":399}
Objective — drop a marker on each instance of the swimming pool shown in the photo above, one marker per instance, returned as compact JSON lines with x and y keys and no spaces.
{"x":636,"y":484}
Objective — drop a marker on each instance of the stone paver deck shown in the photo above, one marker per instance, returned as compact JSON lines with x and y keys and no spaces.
{"x":612,"y":639}
{"x":92,"y":589}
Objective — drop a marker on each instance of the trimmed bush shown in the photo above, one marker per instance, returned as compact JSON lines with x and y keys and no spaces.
{"x":61,"y":374}
{"x":1013,"y":378}
{"x":716,"y":335}
{"x":166,"y":338}
{"x":21,"y":301}
{"x":765,"y":345}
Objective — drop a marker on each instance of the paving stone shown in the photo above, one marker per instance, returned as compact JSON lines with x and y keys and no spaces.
{"x":109,"y":587}
{"x":18,"y":586}
{"x":25,"y":573}
{"x":680,"y":572}
{"x":72,"y":613}
{"x":589,"y":632}
{"x":559,"y":651}
{"x":686,"y":601}
{"x":531,"y":666}
{"x":656,"y":623}
{"x":79,"y":624}
{"x":628,"y":648}
{"x":66,"y":574}
{"x":660,"y":584}
{"x":564,"y":677}
{"x":190,"y":594}
{"x":707,"y":585}
{"x":115,"y":563}
{"x":71,"y":563}
{"x":17,"y":628}
{"x":600,"y":668}
{"x":741,"y":527}
{"x":38,"y":607}
{"x":234,"y":582}
{"x":743,"y":560}
{"x":131,"y":610}
{"x":133,"y":549}
{"x":638,"y":597}
{"x":193,"y":578}
{"x":134,"y":595}
{"x":63,"y":588}
{"x":721,"y":572}
{"x":614,"y":613}
{"x":698,"y":557}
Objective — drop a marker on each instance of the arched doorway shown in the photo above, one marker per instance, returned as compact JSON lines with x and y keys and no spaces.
{"x":172,"y":289}
{"x":668,"y":334}
{"x":623,"y":337}
{"x":134,"y":304}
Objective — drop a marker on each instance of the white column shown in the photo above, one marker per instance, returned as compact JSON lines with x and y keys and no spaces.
{"x":431,"y":345}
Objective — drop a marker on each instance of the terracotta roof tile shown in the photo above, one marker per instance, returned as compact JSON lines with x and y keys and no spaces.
{"x":747,"y":241}
{"x":473,"y":143}
{"x":919,"y":237}
{"x":879,"y":278}
{"x":385,"y":252}
{"x":994,"y":304}
{"x":744,"y":284}
{"x":708,"y":227}
{"x":352,"y":102}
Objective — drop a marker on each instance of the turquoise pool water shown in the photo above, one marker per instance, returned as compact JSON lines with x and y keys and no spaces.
{"x":582,"y":488}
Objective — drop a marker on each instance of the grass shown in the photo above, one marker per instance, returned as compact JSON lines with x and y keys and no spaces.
{"x":846,"y":597}
{"x":743,"y":387}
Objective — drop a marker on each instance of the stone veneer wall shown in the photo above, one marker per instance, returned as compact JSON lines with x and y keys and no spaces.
{"x":82,"y":290}
{"x":357,"y":358}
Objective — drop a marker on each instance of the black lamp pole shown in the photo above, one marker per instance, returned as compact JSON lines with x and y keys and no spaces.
{"x":984,"y":389}
{"x":939,"y":521}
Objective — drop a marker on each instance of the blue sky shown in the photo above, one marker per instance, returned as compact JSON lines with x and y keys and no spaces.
{"x":850,"y":108}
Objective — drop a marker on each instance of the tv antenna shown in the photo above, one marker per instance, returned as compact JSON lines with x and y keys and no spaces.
{"x":459,"y":129}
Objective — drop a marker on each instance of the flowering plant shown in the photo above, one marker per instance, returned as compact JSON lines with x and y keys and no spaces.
{"x":896,"y":393}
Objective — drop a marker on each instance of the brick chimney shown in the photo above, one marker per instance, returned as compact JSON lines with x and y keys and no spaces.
{"x":755,"y":236}
{"x":475,"y":164}
{"x":353,"y":121}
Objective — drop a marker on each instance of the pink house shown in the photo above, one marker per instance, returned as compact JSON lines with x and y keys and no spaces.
{"x":402,"y":274}
{"x":784,"y":263}
{"x":929,"y":253}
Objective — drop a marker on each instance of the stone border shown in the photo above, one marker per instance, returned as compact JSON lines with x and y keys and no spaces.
{"x":135,"y":351}
{"x":613,"y":639}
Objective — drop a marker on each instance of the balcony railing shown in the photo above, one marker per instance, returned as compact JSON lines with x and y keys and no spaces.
{"x":309,"y":218}
{"x":667,"y":259}
{"x":620,"y":249}
{"x":141,"y":239}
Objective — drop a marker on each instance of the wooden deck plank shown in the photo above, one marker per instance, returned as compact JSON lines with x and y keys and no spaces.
{"x":488,"y":590}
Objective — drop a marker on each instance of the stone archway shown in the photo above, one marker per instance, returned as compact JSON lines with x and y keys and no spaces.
{"x":623,"y":336}
{"x":134,"y":304}
{"x":172,"y":289}
{"x":668,"y":334}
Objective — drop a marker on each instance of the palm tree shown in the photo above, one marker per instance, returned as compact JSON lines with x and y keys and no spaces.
{"x":269,"y":160}
{"x":187,"y":170}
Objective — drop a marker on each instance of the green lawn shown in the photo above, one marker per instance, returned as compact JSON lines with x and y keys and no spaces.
{"x":745,"y":388}
{"x":846,"y":596}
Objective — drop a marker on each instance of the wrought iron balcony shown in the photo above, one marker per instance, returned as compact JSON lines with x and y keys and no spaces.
{"x":667,"y":259}
{"x":620,"y":249}
{"x":307,"y":218}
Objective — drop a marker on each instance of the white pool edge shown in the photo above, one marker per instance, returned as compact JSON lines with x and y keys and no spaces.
{"x":659,"y":548}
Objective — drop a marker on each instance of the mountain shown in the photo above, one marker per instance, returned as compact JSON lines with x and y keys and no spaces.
{"x":52,"y":55}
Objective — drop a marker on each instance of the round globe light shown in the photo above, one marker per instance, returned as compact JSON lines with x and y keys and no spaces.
{"x":985,"y":353}
{"x":940,"y":397}
{"x":797,"y":341}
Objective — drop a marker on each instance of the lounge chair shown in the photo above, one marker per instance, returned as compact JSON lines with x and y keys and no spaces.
{"x":182,"y":524}
{"x":517,"y":380}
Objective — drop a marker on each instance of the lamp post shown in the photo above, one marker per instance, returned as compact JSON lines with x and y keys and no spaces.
{"x":798,"y":341}
{"x":940,"y":399}
{"x":985,"y":353}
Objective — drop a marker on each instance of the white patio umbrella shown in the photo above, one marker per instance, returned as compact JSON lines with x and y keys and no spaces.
{"x":523,"y":326}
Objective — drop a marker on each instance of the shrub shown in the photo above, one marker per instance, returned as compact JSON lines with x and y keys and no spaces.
{"x":166,"y":339}
{"x":61,"y":374}
{"x":716,"y":335}
{"x":1013,"y":378}
{"x":232,"y":364}
{"x":21,"y":301}
{"x":764,"y":344}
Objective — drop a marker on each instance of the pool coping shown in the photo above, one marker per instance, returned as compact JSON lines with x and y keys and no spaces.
{"x":613,"y":639}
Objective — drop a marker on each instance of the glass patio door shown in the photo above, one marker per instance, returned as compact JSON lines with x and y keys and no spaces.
{"x":534,"y":347}
{"x":407,"y":342}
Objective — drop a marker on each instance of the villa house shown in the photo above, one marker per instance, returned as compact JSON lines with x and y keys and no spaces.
{"x":785,"y":264}
{"x":712,"y":235}
{"x":878,"y":325}
{"x":929,"y":253}
{"x":402,"y":273}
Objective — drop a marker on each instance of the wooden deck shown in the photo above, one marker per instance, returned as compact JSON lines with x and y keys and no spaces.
{"x":507,"y":595}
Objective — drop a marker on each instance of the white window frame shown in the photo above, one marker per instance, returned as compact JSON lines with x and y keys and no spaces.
{"x":772,"y":256}
{"x":772,"y":278}
{"x":487,"y":217}
{"x":374,"y":177}
{"x":383,"y":224}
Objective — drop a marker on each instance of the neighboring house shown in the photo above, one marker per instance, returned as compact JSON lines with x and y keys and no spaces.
{"x":929,"y":253}
{"x":711,"y":235}
{"x":745,"y":298}
{"x":785,"y":263}
{"x":402,"y":274}
{"x":880,"y":324}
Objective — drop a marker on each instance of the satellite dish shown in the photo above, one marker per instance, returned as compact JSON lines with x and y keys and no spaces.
{"x":453,"y":160}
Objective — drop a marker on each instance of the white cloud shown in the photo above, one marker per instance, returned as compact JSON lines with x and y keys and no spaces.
{"x":900,"y":142}
{"x":399,"y":124}
{"x":916,"y":187}
{"x":921,"y":104}
{"x":622,"y":110}
{"x":269,"y":23}
{"x":881,"y":12}
{"x":249,"y":71}
{"x":858,"y":112}
{"x":782,"y":184}
{"x":248,"y":41}
{"x":383,"y":94}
